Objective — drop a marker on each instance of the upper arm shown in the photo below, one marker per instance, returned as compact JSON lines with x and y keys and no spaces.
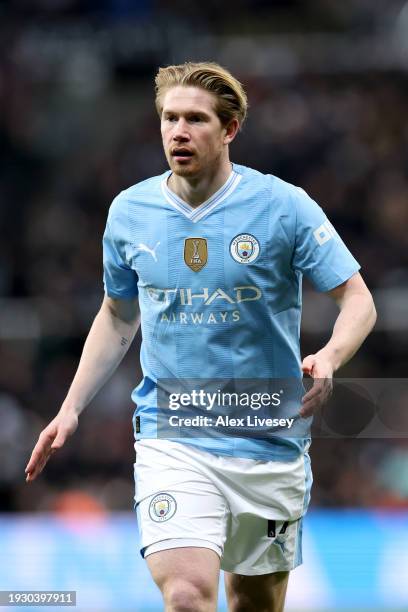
{"x":319,"y":252}
{"x":125,"y":309}
{"x":120,"y":278}
{"x":355,"y":285}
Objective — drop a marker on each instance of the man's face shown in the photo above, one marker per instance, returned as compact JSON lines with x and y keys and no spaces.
{"x":193,"y":136}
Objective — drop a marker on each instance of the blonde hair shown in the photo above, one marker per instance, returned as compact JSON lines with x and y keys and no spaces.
{"x":231,"y":99}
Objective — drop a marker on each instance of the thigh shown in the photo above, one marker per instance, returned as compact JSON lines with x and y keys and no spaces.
{"x":265,"y":593}
{"x":187,"y":577}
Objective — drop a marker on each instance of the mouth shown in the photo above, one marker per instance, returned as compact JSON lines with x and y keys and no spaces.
{"x":181,"y":154}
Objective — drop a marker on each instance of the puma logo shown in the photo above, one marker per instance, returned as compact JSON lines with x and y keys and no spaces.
{"x":146,"y":249}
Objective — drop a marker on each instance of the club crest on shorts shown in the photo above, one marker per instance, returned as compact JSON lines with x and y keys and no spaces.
{"x":244,"y":248}
{"x":195,"y":253}
{"x":162,"y":507}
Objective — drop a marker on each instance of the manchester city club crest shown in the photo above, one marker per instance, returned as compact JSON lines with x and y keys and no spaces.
{"x":162,"y":507}
{"x":244,"y":248}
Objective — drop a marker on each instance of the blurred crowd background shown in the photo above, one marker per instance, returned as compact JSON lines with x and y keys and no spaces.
{"x":328,"y":92}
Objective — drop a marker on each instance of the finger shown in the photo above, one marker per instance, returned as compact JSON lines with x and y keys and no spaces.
{"x":326,"y":386}
{"x":311,"y":405}
{"x":313,"y":398}
{"x":34,"y":467}
{"x":58,"y":442}
{"x":308,"y":364}
{"x":39,"y":466}
{"x":311,"y":394}
{"x":308,"y":409}
{"x":43,"y":445}
{"x":316,"y":397}
{"x":307,"y":367}
{"x":32,"y":475}
{"x":327,"y":391}
{"x":39,"y":449}
{"x":34,"y":459}
{"x":314,"y":392}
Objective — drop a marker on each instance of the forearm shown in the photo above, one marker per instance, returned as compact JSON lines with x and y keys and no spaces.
{"x":355,"y":321}
{"x":107,"y":343}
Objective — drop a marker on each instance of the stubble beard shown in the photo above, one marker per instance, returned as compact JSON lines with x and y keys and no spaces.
{"x":189,"y":169}
{"x":183,"y":172}
{"x":196,"y":166}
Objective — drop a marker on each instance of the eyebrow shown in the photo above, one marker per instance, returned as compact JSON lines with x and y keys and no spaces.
{"x":200,"y":113}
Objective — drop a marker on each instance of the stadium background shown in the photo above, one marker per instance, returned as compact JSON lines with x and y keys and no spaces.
{"x":327,"y":85}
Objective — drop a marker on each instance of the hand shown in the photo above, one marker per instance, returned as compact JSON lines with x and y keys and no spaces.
{"x":321,"y":370}
{"x":51,"y":439}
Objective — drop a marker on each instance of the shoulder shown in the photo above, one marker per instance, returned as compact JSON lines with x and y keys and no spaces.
{"x":286,"y":196}
{"x":252,"y":177}
{"x":144,"y":192}
{"x":292,"y":195}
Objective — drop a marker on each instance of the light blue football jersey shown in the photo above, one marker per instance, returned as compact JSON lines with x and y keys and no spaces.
{"x":220,"y":286}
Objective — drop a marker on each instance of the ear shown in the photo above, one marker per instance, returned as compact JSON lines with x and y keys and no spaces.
{"x":231,"y":130}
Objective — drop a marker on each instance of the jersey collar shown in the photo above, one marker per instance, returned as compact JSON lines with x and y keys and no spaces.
{"x":195,"y":214}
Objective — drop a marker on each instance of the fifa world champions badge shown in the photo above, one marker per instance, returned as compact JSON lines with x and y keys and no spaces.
{"x":244,"y":248}
{"x":195,"y":253}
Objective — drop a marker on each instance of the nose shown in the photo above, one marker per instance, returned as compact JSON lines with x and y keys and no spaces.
{"x":180,"y":131}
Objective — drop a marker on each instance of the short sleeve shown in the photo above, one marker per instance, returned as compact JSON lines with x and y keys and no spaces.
{"x":120,"y":280}
{"x":319,"y":252}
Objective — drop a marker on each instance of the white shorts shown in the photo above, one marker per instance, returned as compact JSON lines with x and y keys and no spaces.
{"x":248,"y":511}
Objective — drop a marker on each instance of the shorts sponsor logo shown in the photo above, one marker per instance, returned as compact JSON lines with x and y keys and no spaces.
{"x":162,"y":507}
{"x":244,"y":248}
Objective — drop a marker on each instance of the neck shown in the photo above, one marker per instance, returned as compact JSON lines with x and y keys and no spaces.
{"x":196,"y":190}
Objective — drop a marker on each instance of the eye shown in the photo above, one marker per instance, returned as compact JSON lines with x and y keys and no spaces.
{"x":171,"y":118}
{"x":196,"y":118}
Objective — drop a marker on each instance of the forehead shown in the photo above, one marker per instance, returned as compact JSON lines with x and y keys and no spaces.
{"x":182,"y":99}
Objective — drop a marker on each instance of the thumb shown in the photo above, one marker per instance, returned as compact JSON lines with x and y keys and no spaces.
{"x":58,"y":442}
{"x":308,"y":364}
